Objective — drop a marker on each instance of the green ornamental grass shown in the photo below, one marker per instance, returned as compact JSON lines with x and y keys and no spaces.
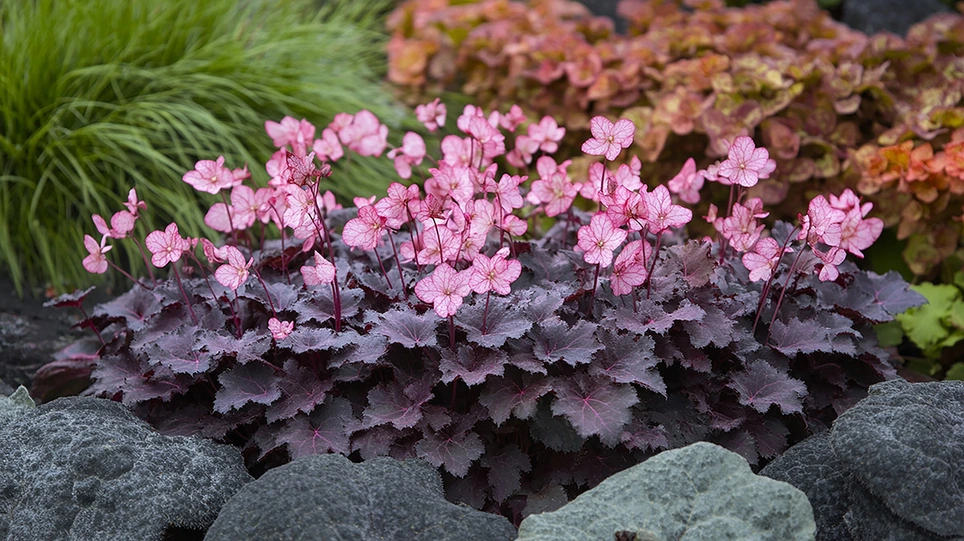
{"x":98,"y":97}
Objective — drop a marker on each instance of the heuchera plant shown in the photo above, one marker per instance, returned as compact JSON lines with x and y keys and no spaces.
{"x":449,"y":322}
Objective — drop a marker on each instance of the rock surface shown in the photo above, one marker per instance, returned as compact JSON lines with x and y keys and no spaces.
{"x":86,"y":468}
{"x":894,"y":16}
{"x":329,"y":497}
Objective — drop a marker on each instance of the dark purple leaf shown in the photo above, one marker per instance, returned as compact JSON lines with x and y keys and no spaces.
{"x":516,"y":393}
{"x":650,"y":316}
{"x":454,"y":452}
{"x":75,"y":299}
{"x":527,"y":361}
{"x":319,"y":306}
{"x":693,"y":261}
{"x":114,"y":371}
{"x":548,"y":265}
{"x":594,"y":406}
{"x":325,"y":430}
{"x":136,"y":307}
{"x":878,"y":298}
{"x":305,"y":339}
{"x":644,"y":437}
{"x":377,"y":440}
{"x":555,"y":341}
{"x":163,"y":384}
{"x":715,"y":328}
{"x":502,"y":322}
{"x":472,"y":364}
{"x":250,"y":347}
{"x":283,"y":295}
{"x":301,"y":389}
{"x":253,"y":382}
{"x":408,"y":329}
{"x":798,"y":336}
{"x":628,"y":358}
{"x":471,"y":490}
{"x":761,"y":386}
{"x":539,"y":305}
{"x":178,"y":352}
{"x":361,"y":349}
{"x":505,"y":468}
{"x":395,"y":404}
{"x":742,"y":443}
{"x":770,"y":436}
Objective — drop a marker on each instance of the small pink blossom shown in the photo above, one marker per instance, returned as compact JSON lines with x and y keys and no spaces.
{"x":687,"y":183}
{"x":609,"y":139}
{"x":629,"y":269}
{"x":365,"y":135}
{"x":210,"y":176}
{"x":511,"y":120}
{"x":213,"y":253}
{"x":507,"y":193}
{"x":166,"y":246}
{"x":762,"y":261}
{"x":547,"y":134}
{"x":556,"y":192}
{"x":521,"y":155}
{"x":121,"y":224}
{"x":299,"y":170}
{"x":746,"y":164}
{"x":280,"y":329}
{"x":444,"y":288}
{"x":821,"y":223}
{"x":599,"y":239}
{"x":290,"y":132}
{"x":133,"y":204}
{"x":831,"y":258}
{"x":495,"y":273}
{"x":95,"y":263}
{"x":366,"y":230}
{"x":741,"y":229}
{"x":432,"y":115}
{"x":394,"y":207}
{"x":410,"y":153}
{"x":235,"y":272}
{"x":322,"y":273}
{"x":662,"y":214}
{"x":328,"y":148}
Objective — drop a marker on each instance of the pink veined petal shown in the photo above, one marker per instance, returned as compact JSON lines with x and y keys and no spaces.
{"x":217,"y":218}
{"x":122,"y":222}
{"x":600,"y":126}
{"x":758,"y":265}
{"x":623,"y":132}
{"x":322,"y":273}
{"x":280,"y":329}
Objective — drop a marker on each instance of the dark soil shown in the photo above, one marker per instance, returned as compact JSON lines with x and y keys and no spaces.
{"x":30,"y":334}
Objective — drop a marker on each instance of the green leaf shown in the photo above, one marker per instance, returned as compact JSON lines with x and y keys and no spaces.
{"x":956,"y":372}
{"x":889,"y":334}
{"x":925,"y":325}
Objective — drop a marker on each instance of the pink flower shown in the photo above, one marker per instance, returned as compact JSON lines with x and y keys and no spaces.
{"x":410,"y":153}
{"x":364,"y":231}
{"x":121,"y":223}
{"x":290,"y":132}
{"x":444,"y":288}
{"x":328,"y":148}
{"x":746,"y":164}
{"x":858,"y":234}
{"x":233,"y":273}
{"x":439,"y":244}
{"x":299,"y":170}
{"x":394,"y":207}
{"x":507,"y":193}
{"x":365,"y":135}
{"x":432,"y":115}
{"x":213,"y":253}
{"x":495,"y":273}
{"x":822,"y":223}
{"x":831,"y":258}
{"x":609,"y":139}
{"x":547,"y":134}
{"x":210,"y":176}
{"x":95,"y":263}
{"x":133,"y":204}
{"x":557,"y":192}
{"x":521,"y":155}
{"x":166,"y":246}
{"x":511,"y":120}
{"x":687,"y":183}
{"x":662,"y":213}
{"x":629,"y":270}
{"x":322,"y":273}
{"x":280,"y":329}
{"x":599,"y":239}
{"x":741,"y":229}
{"x":762,"y":261}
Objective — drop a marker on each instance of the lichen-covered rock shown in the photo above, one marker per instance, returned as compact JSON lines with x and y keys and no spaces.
{"x":329,"y":497}
{"x":17,"y":403}
{"x":700,"y":492}
{"x":86,"y":468}
{"x":891,"y":468}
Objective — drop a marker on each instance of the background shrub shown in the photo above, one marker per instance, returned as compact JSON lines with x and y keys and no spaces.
{"x":134,"y":92}
{"x":836,"y":107}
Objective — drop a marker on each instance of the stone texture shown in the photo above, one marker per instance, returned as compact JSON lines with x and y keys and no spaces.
{"x":329,"y":497}
{"x":86,"y":468}
{"x":895,"y":16}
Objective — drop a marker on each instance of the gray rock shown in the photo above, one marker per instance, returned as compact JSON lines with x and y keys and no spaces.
{"x":700,"y":492}
{"x":329,"y":497}
{"x":86,"y":468}
{"x":894,"y":16}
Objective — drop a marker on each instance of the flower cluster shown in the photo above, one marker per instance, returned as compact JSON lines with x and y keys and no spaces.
{"x":591,"y":336}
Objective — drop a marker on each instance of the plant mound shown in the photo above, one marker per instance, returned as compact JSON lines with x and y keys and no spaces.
{"x":490,"y":327}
